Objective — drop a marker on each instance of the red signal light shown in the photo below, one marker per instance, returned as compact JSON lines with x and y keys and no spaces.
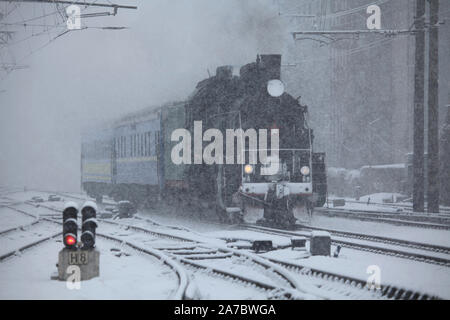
{"x":70,"y":240}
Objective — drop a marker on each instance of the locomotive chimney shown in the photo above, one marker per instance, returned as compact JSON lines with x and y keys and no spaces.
{"x":224,"y":72}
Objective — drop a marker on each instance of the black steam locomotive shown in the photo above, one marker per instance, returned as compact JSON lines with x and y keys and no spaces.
{"x":133,"y":158}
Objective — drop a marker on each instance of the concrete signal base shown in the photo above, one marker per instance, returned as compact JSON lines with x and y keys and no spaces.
{"x":87,"y":261}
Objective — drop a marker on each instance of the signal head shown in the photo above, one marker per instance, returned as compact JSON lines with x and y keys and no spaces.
{"x":89,"y":224}
{"x":70,"y":240}
{"x":70,"y":225}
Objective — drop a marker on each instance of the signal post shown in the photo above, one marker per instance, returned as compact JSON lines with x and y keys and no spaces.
{"x":82,"y":258}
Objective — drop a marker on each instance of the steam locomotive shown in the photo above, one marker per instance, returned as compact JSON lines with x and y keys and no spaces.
{"x":133,"y":157}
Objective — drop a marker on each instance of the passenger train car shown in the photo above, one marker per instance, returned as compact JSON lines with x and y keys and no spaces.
{"x":131,"y":158}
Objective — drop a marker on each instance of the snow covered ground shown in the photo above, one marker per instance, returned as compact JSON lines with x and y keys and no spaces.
{"x":133,"y":276}
{"x":400,"y":272}
{"x":377,"y":202}
{"x":432,"y":236}
{"x":10,"y":219}
{"x":139,"y":276}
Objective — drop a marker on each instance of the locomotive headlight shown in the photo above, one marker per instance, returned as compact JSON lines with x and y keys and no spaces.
{"x":248,"y":169}
{"x":305,"y":170}
{"x":275,"y":88}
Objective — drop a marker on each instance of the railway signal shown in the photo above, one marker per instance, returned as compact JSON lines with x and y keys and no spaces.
{"x":86,"y":260}
{"x":70,"y":225}
{"x":89,"y":224}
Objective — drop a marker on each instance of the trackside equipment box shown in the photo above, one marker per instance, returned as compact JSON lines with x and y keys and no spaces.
{"x":320,"y":243}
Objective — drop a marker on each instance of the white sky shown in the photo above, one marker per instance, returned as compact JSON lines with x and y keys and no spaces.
{"x":90,"y":75}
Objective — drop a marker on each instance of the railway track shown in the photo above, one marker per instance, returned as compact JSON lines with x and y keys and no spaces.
{"x":195,"y":253}
{"x":337,"y":283}
{"x":385,"y":240}
{"x":340,"y":238}
{"x":431,"y":222}
{"x":183,"y":279}
{"x":21,"y":227}
{"x":199,"y":255}
{"x":28,"y":246}
{"x":192,"y":256}
{"x":386,"y":290}
{"x":196,"y":261}
{"x":403,"y":206}
{"x":19,"y":238}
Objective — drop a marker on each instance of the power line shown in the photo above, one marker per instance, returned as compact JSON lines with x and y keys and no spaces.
{"x":340,"y":13}
{"x":82,"y":3}
{"x":54,"y":30}
{"x":353,"y":32}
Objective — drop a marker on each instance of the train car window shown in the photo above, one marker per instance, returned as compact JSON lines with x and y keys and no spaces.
{"x":148,"y":143}
{"x":120,"y":147}
{"x":157,"y":142}
{"x":136,"y":140}
{"x":138,"y":137}
{"x":124,"y":151}
{"x":137,"y":145}
{"x":154,"y":143}
{"x":145,"y":145}
{"x":142,"y":144}
{"x":132,"y":146}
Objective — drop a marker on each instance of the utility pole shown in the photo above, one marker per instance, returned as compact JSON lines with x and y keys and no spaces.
{"x":433,"y":110}
{"x":445,"y":160}
{"x":419,"y":83}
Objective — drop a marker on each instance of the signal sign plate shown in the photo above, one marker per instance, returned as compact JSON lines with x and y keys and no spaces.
{"x":78,"y":258}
